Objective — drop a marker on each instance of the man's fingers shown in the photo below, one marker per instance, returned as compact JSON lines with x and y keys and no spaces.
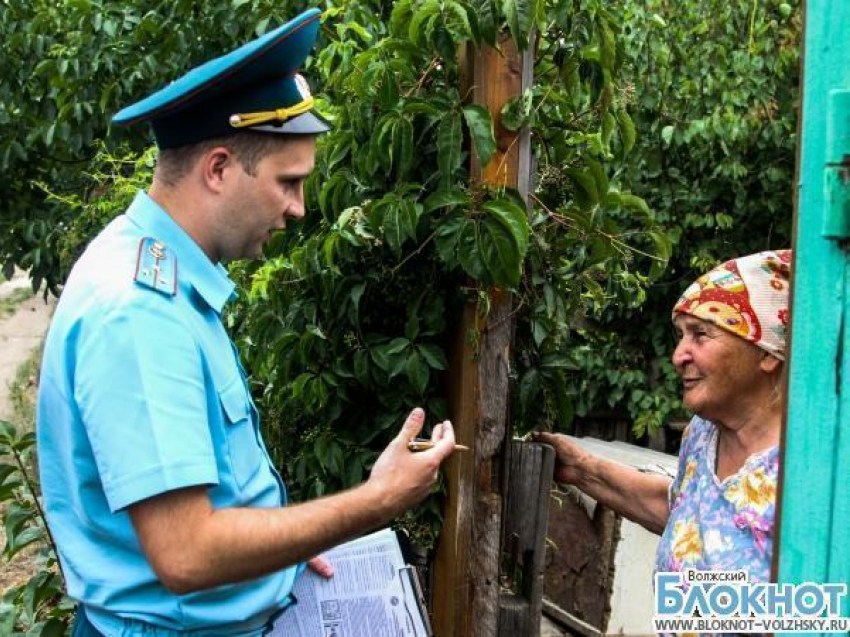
{"x":437,"y":433}
{"x":446,"y":444}
{"x":321,"y":566}
{"x":412,"y":426}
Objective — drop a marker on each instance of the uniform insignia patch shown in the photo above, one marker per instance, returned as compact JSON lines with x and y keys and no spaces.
{"x":156,"y":267}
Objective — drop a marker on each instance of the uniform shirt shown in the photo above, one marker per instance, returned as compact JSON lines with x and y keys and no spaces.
{"x":142,"y":392}
{"x":719,"y":525}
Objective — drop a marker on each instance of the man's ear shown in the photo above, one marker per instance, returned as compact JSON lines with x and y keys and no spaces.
{"x":217,"y":166}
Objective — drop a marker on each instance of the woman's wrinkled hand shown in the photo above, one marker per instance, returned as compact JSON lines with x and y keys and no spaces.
{"x":571,"y":461}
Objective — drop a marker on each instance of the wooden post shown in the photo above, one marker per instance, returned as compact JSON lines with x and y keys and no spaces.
{"x":527,"y":493}
{"x":466,"y":591}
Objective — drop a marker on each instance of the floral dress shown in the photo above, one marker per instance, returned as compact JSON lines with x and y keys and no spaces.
{"x":716,"y":525}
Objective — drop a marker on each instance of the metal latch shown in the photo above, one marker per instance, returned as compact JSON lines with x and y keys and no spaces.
{"x":836,"y":221}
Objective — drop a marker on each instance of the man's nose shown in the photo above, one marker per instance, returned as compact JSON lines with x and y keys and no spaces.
{"x":295,"y":211}
{"x":296,"y":208}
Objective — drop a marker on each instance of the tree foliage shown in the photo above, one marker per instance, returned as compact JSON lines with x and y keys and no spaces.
{"x":347,"y":323}
{"x":714,"y":94}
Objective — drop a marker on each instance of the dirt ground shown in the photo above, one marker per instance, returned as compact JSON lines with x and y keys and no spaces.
{"x":20,"y":334}
{"x":22,"y":329}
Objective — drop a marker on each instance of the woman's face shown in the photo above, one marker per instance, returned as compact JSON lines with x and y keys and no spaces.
{"x":719,"y":370}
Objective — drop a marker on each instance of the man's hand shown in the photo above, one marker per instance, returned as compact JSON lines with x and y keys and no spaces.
{"x":403,"y":477}
{"x":571,"y":461}
{"x":192,"y":546}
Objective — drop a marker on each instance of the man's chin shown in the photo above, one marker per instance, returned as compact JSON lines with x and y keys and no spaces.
{"x":255,"y":252}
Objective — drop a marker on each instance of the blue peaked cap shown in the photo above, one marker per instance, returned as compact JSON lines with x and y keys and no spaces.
{"x":252,"y":88}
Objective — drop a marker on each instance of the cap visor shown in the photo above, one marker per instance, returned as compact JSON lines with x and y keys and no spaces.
{"x":309,"y":123}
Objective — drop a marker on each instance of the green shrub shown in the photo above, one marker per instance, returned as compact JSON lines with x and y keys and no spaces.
{"x":38,"y":606}
{"x":715,"y":91}
{"x":347,"y":324}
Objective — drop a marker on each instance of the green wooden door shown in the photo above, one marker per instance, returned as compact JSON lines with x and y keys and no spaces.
{"x":814,"y":536}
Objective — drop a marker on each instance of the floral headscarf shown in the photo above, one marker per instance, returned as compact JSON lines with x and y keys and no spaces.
{"x":747,"y":296}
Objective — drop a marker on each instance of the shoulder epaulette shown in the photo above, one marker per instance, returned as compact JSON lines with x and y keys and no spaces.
{"x":156,"y":267}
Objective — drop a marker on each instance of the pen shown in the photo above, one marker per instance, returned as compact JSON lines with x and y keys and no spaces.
{"x":420,"y":444}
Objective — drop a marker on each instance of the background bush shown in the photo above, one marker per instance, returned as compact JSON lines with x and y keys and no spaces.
{"x":715,"y":92}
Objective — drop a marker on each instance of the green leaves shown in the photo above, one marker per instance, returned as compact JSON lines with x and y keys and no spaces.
{"x":449,"y":150}
{"x":20,"y":529}
{"x":520,"y":15}
{"x":402,"y":356}
{"x":489,"y":245}
{"x":483,"y":17}
{"x":450,"y":140}
{"x":434,"y":356}
{"x":481,"y":129}
{"x":447,"y":199}
{"x":628,"y":133}
{"x":400,"y":223}
{"x":628,"y":201}
{"x":513,"y":221}
{"x":663,"y":251}
{"x":393,"y":143}
{"x":436,"y":24}
{"x":398,"y":217}
{"x":425,"y":19}
{"x":35,"y":606}
{"x":417,"y":372}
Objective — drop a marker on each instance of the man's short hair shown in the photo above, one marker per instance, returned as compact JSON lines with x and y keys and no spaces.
{"x":248,"y":148}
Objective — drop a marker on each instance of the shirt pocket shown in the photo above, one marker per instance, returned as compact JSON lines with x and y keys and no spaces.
{"x":243,"y":449}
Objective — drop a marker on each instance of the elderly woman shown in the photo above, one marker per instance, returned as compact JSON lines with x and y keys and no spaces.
{"x":717,"y":514}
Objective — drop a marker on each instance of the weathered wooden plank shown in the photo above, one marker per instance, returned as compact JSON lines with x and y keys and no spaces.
{"x":514,"y":617}
{"x":493,"y":430}
{"x":498,"y":76}
{"x":525,"y":523}
{"x":466,"y":571}
{"x":581,"y":557}
{"x":573,"y":623}
{"x":451,"y":585}
{"x":467,"y":563}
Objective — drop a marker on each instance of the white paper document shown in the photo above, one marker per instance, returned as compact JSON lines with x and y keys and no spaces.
{"x":372,"y":593}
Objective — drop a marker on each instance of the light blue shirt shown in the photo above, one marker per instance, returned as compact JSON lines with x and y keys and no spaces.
{"x":142,"y":392}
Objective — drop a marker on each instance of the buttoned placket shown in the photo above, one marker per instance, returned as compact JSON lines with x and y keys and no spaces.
{"x":255,"y":421}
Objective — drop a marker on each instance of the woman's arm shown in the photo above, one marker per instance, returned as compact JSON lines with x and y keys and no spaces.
{"x":640,"y":497}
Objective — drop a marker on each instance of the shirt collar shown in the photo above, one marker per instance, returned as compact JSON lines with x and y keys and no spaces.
{"x":195,"y":269}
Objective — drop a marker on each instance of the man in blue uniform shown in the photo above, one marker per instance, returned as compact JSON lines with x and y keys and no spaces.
{"x":166,"y":510}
